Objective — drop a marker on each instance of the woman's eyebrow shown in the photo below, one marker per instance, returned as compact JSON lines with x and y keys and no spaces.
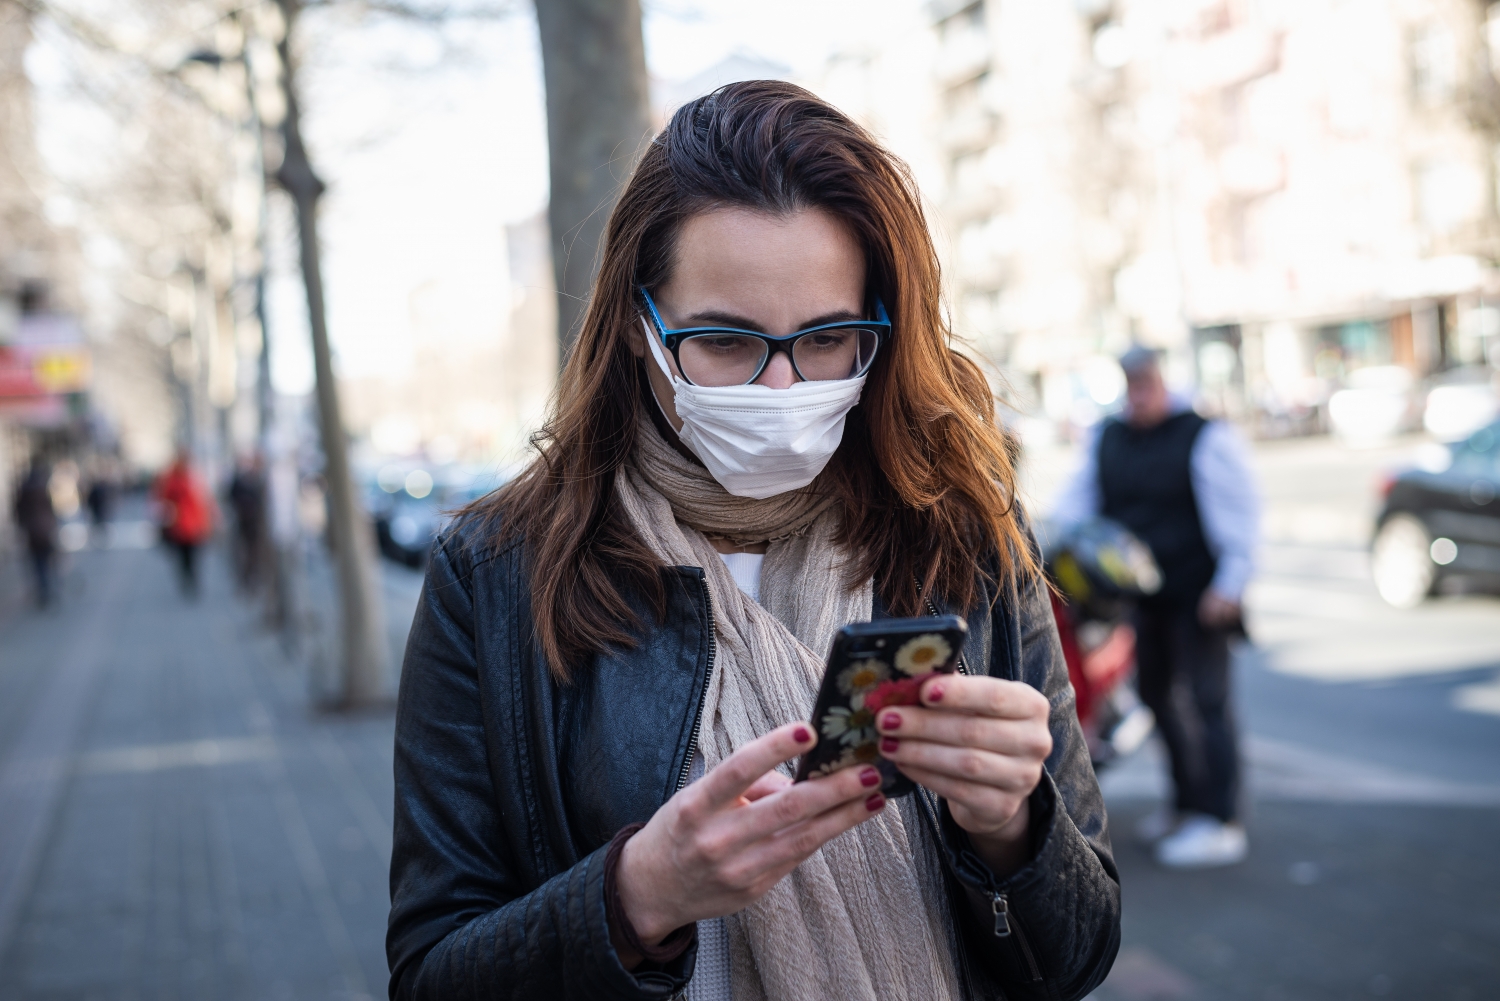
{"x":720,"y":318}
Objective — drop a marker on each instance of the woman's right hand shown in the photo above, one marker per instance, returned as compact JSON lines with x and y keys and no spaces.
{"x":724,"y":841}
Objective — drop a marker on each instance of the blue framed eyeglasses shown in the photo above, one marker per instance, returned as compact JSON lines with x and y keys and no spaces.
{"x":727,"y":356}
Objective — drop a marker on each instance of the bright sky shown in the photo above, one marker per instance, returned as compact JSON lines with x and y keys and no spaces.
{"x":462,"y":152}
{"x":427,"y":159}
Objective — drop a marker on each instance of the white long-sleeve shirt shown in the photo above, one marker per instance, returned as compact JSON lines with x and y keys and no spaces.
{"x":1223,"y":485}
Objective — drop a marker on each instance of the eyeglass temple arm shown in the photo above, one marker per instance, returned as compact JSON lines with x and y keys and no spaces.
{"x":661,"y":326}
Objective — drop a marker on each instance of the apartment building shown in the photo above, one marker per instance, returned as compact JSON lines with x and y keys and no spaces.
{"x":1280,"y":194}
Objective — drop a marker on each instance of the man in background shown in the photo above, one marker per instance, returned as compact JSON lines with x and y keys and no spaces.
{"x":1183,"y":485}
{"x":101,"y":497}
{"x":247,"y":498}
{"x":37,"y":520}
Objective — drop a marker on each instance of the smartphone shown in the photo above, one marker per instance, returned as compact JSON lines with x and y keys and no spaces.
{"x":873,"y":665}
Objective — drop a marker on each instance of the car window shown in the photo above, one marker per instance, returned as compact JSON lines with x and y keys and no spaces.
{"x":1480,"y":455}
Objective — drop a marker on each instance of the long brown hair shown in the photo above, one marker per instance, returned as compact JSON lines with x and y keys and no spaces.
{"x":926,"y":475}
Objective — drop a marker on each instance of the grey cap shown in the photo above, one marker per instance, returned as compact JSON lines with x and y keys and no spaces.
{"x":1138,"y":358}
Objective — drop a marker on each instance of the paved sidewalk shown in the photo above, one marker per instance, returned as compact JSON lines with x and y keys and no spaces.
{"x":175,"y":822}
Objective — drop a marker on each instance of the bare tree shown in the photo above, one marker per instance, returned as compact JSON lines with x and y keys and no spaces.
{"x":598,"y":114}
{"x":362,"y":613}
{"x":193,"y":175}
{"x":594,"y":65}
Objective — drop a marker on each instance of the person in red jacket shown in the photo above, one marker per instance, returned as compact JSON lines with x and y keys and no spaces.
{"x":187,"y":516}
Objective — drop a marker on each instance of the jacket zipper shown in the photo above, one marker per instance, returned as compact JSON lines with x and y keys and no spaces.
{"x":963,"y":668}
{"x":687,"y":762}
{"x":1006,"y":926}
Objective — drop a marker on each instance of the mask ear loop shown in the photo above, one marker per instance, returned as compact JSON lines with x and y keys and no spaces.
{"x":657,"y":352}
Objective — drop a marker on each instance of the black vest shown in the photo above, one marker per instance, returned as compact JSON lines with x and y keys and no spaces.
{"x":1146,"y":483}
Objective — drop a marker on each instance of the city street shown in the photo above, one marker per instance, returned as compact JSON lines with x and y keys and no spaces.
{"x":1373,"y":740}
{"x":280,"y":278}
{"x":176,"y":822}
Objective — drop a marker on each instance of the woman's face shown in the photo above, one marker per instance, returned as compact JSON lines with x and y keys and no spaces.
{"x":775,"y":274}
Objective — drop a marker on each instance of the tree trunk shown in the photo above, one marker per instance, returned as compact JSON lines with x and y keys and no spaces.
{"x":362,"y":612}
{"x":598,"y":117}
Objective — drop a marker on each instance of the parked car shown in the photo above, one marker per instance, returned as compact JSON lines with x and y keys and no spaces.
{"x":1461,"y":402}
{"x":406,"y":526}
{"x":411,"y":503}
{"x":1441,"y":522}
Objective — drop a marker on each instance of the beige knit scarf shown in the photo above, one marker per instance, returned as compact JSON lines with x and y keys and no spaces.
{"x":864,"y":917}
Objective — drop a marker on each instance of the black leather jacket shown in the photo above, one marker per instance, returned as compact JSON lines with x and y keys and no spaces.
{"x":508,"y":786}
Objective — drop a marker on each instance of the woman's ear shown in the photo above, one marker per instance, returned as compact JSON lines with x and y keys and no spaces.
{"x":633,"y":337}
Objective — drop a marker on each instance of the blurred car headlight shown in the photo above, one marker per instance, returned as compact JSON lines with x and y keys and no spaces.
{"x":1434,"y":458}
{"x":405,"y":531}
{"x":1366,"y":413}
{"x":1455,"y":412}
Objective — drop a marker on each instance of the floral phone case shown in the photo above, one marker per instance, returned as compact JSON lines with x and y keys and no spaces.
{"x":873,"y":665}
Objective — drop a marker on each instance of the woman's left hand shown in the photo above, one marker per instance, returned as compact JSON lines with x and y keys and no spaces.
{"x":979,"y":743}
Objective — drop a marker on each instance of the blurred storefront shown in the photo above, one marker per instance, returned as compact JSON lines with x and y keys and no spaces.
{"x":45,"y":368}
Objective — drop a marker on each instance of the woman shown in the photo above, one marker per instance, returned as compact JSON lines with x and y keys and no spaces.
{"x":613,"y":655}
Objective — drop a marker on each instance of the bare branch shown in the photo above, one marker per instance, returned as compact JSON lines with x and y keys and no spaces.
{"x":426,"y":13}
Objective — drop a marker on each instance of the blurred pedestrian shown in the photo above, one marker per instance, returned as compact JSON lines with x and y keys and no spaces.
{"x":1183,"y":484}
{"x":187,"y":517}
{"x":38,"y":522}
{"x":101,"y":498}
{"x":247,"y":498}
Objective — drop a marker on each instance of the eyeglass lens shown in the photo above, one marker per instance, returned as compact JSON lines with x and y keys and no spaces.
{"x":733,"y":360}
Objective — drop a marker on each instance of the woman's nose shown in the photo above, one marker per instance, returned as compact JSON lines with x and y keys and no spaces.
{"x":779,"y":373}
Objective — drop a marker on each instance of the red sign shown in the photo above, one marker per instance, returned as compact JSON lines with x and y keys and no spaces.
{"x":43,"y":371}
{"x":47,"y":357}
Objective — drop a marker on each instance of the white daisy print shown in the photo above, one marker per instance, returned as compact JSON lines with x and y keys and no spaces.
{"x":849,"y":724}
{"x":923,"y":654}
{"x":863,"y":675}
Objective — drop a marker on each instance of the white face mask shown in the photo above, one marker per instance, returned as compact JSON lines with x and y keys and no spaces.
{"x":758,"y":441}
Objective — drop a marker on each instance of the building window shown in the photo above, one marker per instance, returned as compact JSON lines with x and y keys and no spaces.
{"x":1492,"y":37}
{"x":970,"y":19}
{"x":1434,"y":65}
{"x":1112,"y":45}
{"x":966,"y":98}
{"x":1449,"y":193}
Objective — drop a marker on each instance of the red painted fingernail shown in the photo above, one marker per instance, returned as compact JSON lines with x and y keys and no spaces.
{"x":935,"y":693}
{"x":802,"y":735}
{"x":869,"y":777}
{"x":889,"y":745}
{"x":875,"y":802}
{"x":890,"y":721}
